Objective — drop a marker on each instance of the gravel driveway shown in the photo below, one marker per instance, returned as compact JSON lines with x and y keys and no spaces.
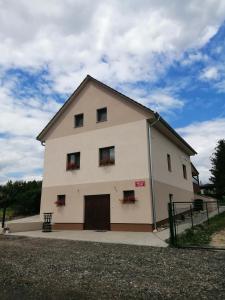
{"x":33,"y":268}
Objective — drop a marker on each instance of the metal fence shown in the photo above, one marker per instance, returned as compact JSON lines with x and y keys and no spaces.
{"x":187,"y":219}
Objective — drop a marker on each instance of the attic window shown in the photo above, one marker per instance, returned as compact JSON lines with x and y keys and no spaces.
{"x":79,"y":120}
{"x":102,"y":114}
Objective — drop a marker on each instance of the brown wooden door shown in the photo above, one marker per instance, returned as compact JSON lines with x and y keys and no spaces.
{"x":97,"y":212}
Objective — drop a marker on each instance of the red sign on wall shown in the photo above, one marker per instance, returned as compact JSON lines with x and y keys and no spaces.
{"x":140,"y":183}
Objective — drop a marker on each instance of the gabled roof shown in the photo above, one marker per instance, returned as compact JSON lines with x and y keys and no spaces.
{"x":87,"y":79}
{"x":175,"y":134}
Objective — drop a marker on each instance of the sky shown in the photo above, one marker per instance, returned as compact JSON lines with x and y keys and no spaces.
{"x":167,"y":54}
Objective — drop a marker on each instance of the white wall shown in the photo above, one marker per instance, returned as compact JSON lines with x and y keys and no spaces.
{"x":161,"y":146}
{"x":166,"y":182}
{"x":130,"y":141}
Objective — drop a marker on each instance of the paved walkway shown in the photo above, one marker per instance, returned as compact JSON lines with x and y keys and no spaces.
{"x":118,"y":237}
{"x":181,"y":227}
{"x":35,"y":218}
{"x":25,"y":224}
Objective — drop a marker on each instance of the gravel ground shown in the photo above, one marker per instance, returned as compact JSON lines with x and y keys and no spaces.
{"x":33,"y":268}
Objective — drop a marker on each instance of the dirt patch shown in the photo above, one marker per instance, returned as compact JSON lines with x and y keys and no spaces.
{"x":33,"y":268}
{"x":218,"y":239}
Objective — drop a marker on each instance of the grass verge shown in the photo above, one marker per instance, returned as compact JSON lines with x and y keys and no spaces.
{"x":201,"y":234}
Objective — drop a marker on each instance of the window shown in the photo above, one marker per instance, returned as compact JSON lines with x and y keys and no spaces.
{"x":107,"y":156}
{"x":169,"y":163}
{"x":102,"y":114}
{"x":73,"y":161}
{"x":184,"y":172}
{"x":61,"y":200}
{"x":128,"y":194}
{"x":79,"y":120}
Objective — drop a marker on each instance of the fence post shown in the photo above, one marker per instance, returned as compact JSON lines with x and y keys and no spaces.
{"x":192,"y":224}
{"x":174,"y":223}
{"x":172,"y":238}
{"x":3,"y":217}
{"x":207,"y":212}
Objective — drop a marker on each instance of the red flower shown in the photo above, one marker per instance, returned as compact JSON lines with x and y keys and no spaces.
{"x":129,"y":199}
{"x":60,"y":202}
{"x":71,"y":166}
{"x":106,"y":161}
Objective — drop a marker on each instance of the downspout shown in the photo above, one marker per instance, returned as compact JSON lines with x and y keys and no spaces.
{"x":151,"y":177}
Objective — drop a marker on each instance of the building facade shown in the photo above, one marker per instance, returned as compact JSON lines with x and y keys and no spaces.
{"x":111,"y":163}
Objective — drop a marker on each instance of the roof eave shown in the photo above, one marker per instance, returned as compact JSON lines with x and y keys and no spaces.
{"x":41,"y":135}
{"x":157,"y":116}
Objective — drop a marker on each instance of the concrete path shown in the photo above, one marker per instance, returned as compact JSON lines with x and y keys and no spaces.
{"x":118,"y":237}
{"x":25,"y":224}
{"x":181,"y":227}
{"x":35,"y":218}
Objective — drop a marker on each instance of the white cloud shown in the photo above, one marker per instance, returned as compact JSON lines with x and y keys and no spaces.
{"x":163,"y":102}
{"x":139,"y":39}
{"x":220,"y":86}
{"x":210,"y":73}
{"x":160,"y":100}
{"x":193,"y":58}
{"x":203,"y":136}
{"x":21,"y":156}
{"x":118,"y":42}
{"x":24,"y":117}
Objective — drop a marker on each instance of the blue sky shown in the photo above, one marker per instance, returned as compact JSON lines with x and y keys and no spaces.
{"x":168,"y":55}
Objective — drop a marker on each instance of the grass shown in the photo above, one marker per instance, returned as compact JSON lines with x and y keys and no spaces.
{"x":202,"y":234}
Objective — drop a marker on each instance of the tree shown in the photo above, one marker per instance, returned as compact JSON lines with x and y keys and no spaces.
{"x":28,"y":198}
{"x":218,"y":168}
{"x":7,"y":197}
{"x":22,"y":197}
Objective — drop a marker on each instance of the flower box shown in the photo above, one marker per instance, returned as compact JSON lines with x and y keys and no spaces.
{"x":60,"y":202}
{"x":106,"y":162}
{"x":129,"y":200}
{"x":72,"y":166}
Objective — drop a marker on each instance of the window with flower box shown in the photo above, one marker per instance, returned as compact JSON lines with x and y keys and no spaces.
{"x":129,"y":196}
{"x":107,"y":156}
{"x":61,"y":200}
{"x":73,"y":161}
